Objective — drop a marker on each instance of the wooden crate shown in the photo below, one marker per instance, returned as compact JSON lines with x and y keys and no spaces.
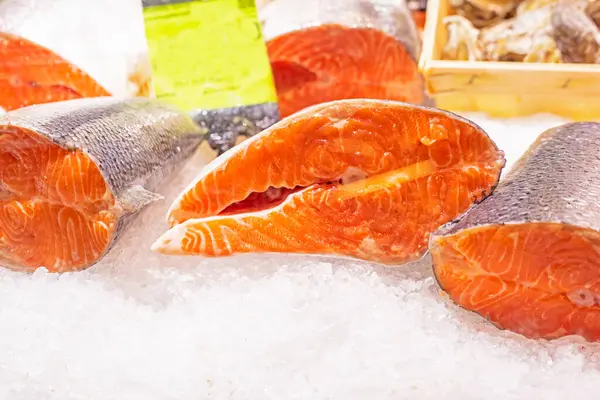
{"x":505,"y":89}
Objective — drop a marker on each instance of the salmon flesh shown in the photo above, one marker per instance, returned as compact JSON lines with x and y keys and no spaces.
{"x":74,"y":173}
{"x":528,"y":257}
{"x":368,"y":179}
{"x":326,"y":50}
{"x":31,"y":74}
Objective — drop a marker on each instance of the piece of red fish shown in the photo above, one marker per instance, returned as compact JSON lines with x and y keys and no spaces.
{"x":528,"y":257}
{"x":74,"y":174}
{"x":326,"y":50}
{"x":31,"y":74}
{"x":362,"y":178}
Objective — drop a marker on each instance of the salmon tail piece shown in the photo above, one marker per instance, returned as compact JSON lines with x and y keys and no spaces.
{"x":528,"y":257}
{"x":369,"y":179}
{"x":31,"y":74}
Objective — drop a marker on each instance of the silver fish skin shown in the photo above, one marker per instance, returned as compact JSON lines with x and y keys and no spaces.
{"x":389,"y":16}
{"x":557,"y":180}
{"x":136,"y":143}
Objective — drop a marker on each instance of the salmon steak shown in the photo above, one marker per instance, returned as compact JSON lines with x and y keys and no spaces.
{"x":528,"y":257}
{"x":326,"y":50}
{"x":31,"y":74}
{"x":361,"y":178}
{"x":73,"y":175}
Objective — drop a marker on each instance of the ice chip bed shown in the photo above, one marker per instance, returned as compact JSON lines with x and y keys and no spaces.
{"x":141,"y":326}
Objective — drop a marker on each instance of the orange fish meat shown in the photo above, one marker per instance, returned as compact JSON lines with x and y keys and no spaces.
{"x":368,"y":179}
{"x":31,"y":74}
{"x":420,"y":18}
{"x":528,"y":257}
{"x":326,"y":50}
{"x":73,"y":175}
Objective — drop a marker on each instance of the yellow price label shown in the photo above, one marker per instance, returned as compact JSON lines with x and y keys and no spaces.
{"x":208,"y":53}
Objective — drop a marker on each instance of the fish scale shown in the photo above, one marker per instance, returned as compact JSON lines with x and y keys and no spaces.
{"x":540,"y":186}
{"x":226,"y":125}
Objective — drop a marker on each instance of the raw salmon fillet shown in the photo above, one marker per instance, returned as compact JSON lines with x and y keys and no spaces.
{"x":359,"y":178}
{"x":325,"y":50}
{"x":73,"y":174}
{"x":31,"y":74}
{"x":528,"y":257}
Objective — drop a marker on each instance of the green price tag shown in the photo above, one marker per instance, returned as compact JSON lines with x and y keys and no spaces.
{"x":208,"y":54}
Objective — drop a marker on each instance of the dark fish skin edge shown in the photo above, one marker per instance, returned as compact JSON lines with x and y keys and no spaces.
{"x":557,"y":180}
{"x":225,"y":125}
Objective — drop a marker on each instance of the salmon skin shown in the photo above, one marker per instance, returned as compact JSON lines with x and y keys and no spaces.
{"x":326,"y":50}
{"x":31,"y":74}
{"x":361,"y":178}
{"x":73,"y":175}
{"x":226,"y":125}
{"x":528,"y":257}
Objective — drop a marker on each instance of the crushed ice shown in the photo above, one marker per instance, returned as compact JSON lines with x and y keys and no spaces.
{"x":140,"y":325}
{"x":143,"y":326}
